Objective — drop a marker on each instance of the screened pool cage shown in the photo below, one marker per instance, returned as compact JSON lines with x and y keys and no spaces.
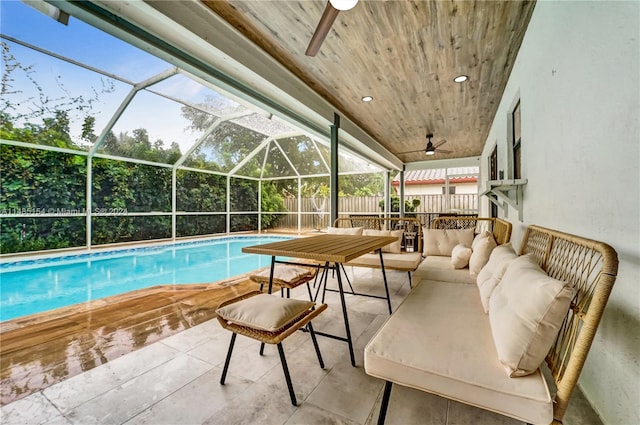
{"x":105,"y":143}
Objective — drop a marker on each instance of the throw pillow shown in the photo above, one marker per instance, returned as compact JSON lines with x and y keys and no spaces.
{"x":375,"y":232}
{"x":395,"y":247}
{"x":526,"y":311}
{"x":441,"y":241}
{"x":490,"y":275}
{"x":481,"y":249}
{"x":345,"y":230}
{"x":266,"y":312}
{"x":460,"y":256}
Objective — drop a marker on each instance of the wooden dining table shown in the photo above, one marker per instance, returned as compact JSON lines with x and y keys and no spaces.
{"x":333,"y":250}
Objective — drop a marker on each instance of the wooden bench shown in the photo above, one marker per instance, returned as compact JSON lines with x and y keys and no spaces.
{"x":406,"y":256}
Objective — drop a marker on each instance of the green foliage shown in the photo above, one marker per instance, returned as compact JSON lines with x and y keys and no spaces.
{"x":361,"y":184}
{"x":139,"y":146}
{"x":191,"y":225}
{"x":200,"y":192}
{"x":272,"y":201}
{"x":410,"y":205}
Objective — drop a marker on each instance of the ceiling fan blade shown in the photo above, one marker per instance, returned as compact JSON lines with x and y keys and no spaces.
{"x":443,"y":151}
{"x":328,"y":17}
{"x":440,"y":143}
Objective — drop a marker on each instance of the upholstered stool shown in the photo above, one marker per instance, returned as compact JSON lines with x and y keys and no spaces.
{"x":286,"y":276}
{"x":268,"y":319}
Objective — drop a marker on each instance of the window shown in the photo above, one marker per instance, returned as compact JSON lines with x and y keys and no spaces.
{"x":515,"y":121}
{"x":493,"y":164}
{"x":493,"y":175}
{"x":452,"y":190}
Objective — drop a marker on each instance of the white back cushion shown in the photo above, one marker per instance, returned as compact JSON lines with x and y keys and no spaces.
{"x":526,"y":311}
{"x":481,"y":248}
{"x":490,"y":275}
{"x":345,"y":230}
{"x":442,"y":241}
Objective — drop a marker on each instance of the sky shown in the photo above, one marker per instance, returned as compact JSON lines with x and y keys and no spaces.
{"x":83,"y":43}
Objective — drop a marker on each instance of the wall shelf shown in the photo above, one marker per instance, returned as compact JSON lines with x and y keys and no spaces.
{"x":505,"y":193}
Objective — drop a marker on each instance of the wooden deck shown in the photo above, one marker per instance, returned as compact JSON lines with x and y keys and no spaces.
{"x":41,"y":350}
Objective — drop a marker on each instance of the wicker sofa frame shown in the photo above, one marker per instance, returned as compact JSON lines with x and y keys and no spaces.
{"x":500,"y":228}
{"x":589,"y":266}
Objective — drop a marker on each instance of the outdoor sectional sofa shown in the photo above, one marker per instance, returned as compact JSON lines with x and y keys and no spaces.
{"x":440,"y":339}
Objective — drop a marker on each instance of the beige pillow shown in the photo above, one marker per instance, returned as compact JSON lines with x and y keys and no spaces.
{"x":481,"y":249}
{"x":283,"y":274}
{"x":265,"y":312}
{"x":345,"y":230}
{"x":395,"y":247}
{"x":460,"y":256}
{"x":442,"y":241}
{"x":490,"y":275}
{"x":526,"y":311}
{"x":375,"y":232}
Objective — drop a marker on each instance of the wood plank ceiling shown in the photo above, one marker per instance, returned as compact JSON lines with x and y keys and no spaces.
{"x":403,"y":53}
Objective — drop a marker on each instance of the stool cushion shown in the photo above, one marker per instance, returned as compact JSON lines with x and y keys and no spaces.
{"x":284,"y":275}
{"x":265,"y":312}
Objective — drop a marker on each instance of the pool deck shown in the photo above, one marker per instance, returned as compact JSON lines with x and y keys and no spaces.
{"x":40,"y":350}
{"x":154,"y":358}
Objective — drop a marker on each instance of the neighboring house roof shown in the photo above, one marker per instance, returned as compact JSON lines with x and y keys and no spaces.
{"x":438,"y":176}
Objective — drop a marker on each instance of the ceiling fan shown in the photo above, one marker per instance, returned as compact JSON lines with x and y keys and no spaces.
{"x":431,"y":148}
{"x":328,"y":17}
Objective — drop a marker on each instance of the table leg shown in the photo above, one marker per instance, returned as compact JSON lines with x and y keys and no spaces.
{"x":273,"y":267}
{"x":344,"y":310}
{"x":346,"y":316}
{"x":384,"y":277}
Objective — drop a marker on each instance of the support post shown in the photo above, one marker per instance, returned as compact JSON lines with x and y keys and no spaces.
{"x":334,"y":168}
{"x":174,"y":203}
{"x":387,"y":193}
{"x":89,"y":200}
{"x":401,"y":206}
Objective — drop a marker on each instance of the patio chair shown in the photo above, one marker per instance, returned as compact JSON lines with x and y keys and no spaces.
{"x":270,"y":320}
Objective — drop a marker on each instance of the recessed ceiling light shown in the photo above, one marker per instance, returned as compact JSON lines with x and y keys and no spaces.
{"x":367,"y":98}
{"x":460,"y":79}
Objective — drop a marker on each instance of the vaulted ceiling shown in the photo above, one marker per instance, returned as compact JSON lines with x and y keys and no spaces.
{"x":403,"y":53}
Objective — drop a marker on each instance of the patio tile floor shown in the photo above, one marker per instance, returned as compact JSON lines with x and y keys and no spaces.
{"x":175,"y":380}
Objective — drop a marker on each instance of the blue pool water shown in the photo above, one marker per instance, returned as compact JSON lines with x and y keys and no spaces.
{"x":34,"y":286}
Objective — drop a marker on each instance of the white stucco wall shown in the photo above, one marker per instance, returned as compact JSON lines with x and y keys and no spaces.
{"x":577,"y":76}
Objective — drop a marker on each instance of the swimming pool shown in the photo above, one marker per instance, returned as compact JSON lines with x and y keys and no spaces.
{"x":34,"y":286}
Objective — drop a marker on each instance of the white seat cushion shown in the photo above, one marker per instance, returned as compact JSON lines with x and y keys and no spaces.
{"x":439,"y":341}
{"x":439,"y":268}
{"x":284,"y":275}
{"x":407,"y":261}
